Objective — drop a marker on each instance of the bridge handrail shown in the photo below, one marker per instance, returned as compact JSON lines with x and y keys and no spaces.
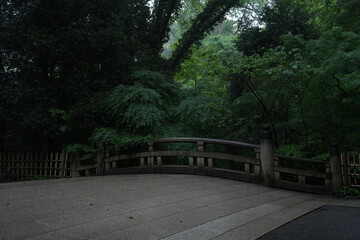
{"x":206,"y":140}
{"x":264,"y":166}
{"x":213,"y":155}
{"x":297,"y":159}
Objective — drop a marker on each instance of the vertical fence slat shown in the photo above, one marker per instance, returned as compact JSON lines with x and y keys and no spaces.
{"x":56,"y":161}
{"x":354,"y":167}
{"x":31,"y":166}
{"x":1,"y":167}
{"x":22,"y":166}
{"x":62,"y":164}
{"x":12,"y":164}
{"x":348,"y":168}
{"x":50,"y":164}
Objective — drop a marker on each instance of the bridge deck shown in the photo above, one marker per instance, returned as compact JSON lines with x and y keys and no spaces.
{"x":147,"y":207}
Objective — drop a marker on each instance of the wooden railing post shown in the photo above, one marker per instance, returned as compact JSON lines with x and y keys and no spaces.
{"x":267,"y":156}
{"x":74,"y":162}
{"x":100,"y":162}
{"x":335,"y":168}
{"x":62,"y":163}
{"x":345,"y":168}
{"x":158,"y":161}
{"x":200,"y":160}
{"x":151,"y":149}
{"x":191,"y":161}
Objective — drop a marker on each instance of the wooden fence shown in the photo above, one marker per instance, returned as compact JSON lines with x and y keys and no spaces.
{"x":350,"y":167}
{"x":31,"y":166}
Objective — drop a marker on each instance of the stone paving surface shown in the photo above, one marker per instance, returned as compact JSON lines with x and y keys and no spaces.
{"x":148,"y":206}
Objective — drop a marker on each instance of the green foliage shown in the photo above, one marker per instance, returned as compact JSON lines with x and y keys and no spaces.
{"x":204,"y":114}
{"x":276,"y":19}
{"x":69,"y":55}
{"x":345,"y":190}
{"x":323,"y":156}
{"x":84,"y":148}
{"x":112,"y":140}
{"x":291,"y":150}
{"x":92,"y":73}
{"x":135,"y":107}
{"x":349,"y":16}
{"x":104,"y":137}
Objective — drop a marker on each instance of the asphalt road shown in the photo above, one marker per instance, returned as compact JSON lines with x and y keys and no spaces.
{"x":326,"y":223}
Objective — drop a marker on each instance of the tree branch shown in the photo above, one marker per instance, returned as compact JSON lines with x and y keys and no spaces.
{"x":344,"y":93}
{"x":214,"y":11}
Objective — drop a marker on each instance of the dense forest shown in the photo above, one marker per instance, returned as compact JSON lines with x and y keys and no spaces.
{"x":85,"y":75}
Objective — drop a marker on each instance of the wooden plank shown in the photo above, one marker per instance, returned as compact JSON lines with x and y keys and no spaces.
{"x":187,"y":154}
{"x":296,"y":159}
{"x":206,"y":140}
{"x":300,"y":172}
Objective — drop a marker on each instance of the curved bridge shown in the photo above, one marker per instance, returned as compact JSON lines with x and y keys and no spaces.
{"x":237,"y":160}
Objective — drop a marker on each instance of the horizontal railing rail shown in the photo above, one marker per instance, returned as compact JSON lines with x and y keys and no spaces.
{"x":206,"y":140}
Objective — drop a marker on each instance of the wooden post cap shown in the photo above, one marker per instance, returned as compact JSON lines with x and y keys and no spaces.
{"x":334,"y":149}
{"x":266,"y":133}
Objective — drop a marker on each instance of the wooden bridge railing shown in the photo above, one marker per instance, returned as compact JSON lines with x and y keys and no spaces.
{"x":198,"y":162}
{"x":302,"y":174}
{"x":258,"y":164}
{"x":263,"y":166}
